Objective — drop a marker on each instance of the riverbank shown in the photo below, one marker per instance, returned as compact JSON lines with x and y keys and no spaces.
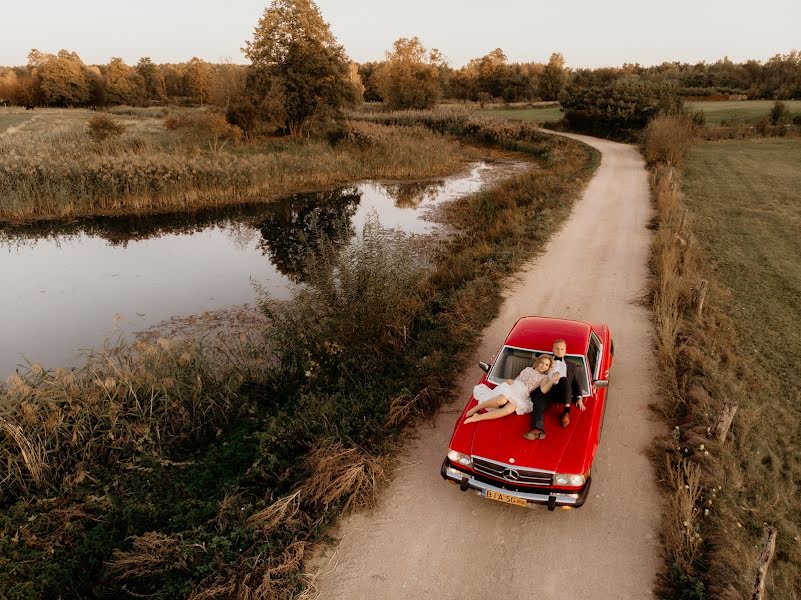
{"x":166,"y":160}
{"x":373,"y":340}
{"x":117,"y":275}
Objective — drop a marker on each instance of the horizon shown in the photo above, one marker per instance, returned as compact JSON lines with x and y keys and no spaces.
{"x":469,"y":32}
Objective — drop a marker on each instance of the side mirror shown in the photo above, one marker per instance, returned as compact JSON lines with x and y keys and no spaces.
{"x":601,"y":383}
{"x":484,"y":367}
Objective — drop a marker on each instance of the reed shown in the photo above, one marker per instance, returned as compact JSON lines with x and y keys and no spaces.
{"x":53,"y":167}
{"x":126,"y":400}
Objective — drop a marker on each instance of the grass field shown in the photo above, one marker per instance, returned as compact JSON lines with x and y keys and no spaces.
{"x":10,"y":117}
{"x":745,"y":111}
{"x":539,"y":115}
{"x":745,"y":209}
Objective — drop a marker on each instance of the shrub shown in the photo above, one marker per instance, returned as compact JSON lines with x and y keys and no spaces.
{"x":102,"y":127}
{"x":359,"y":303}
{"x":779,"y":114}
{"x":668,"y":139}
{"x":618,"y":107}
{"x":204,"y":127}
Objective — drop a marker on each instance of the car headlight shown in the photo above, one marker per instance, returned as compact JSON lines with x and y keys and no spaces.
{"x":569,"y":479}
{"x":459,"y":458}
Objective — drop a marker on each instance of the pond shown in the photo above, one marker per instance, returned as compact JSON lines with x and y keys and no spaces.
{"x":71,"y":285}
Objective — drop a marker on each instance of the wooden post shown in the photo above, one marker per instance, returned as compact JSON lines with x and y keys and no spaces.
{"x":769,"y":541}
{"x":700,"y":296}
{"x":724,"y":421}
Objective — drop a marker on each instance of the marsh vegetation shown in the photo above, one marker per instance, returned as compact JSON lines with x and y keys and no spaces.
{"x":170,"y":161}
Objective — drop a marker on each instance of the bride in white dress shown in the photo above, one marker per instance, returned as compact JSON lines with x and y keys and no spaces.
{"x":512,"y":396}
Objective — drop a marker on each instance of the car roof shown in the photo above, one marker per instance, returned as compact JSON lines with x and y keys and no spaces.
{"x":539,"y":333}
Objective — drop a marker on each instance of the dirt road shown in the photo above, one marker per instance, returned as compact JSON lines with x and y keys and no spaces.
{"x":426,"y":539}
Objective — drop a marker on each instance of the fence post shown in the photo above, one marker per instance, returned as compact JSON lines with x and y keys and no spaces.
{"x":724,"y":421}
{"x":700,"y":296}
{"x":769,"y":541}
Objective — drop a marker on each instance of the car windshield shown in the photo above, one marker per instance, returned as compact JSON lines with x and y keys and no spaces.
{"x":511,"y":361}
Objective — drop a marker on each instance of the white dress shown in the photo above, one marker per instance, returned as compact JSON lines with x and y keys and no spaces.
{"x":518,"y":391}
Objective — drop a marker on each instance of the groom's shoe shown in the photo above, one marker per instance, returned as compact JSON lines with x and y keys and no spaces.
{"x":565,"y":419}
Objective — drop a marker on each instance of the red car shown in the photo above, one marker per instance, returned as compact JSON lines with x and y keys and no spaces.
{"x":494,"y":460}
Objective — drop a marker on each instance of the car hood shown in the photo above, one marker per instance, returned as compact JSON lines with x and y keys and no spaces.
{"x":502,"y":440}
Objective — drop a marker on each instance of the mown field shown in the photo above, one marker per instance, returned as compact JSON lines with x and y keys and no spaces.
{"x":536,"y":115}
{"x":745,"y":209}
{"x":740,"y":112}
{"x":169,"y":159}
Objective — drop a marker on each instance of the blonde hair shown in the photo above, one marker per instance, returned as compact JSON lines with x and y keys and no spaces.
{"x":541,"y":358}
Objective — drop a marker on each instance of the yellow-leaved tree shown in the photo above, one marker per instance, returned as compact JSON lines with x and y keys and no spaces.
{"x":410,"y":77}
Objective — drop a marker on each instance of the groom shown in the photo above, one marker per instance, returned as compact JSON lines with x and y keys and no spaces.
{"x":563,"y":391}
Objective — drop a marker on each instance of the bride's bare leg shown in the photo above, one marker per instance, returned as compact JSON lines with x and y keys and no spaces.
{"x":491,"y":403}
{"x":506,"y":409}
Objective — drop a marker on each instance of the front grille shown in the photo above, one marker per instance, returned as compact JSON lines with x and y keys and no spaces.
{"x":507,"y":472}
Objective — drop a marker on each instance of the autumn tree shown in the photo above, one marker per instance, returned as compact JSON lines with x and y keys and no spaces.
{"x":367,"y":70}
{"x":97,"y":85}
{"x":198,"y":80}
{"x":299,"y":74}
{"x":123,"y":84}
{"x":227,"y":83}
{"x":554,"y":77}
{"x":61,"y":78}
{"x":410,"y":77}
{"x":152,"y":77}
{"x":9,"y":86}
{"x":356,"y":81}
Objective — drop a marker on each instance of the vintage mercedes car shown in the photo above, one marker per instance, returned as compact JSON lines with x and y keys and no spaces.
{"x":493,"y":459}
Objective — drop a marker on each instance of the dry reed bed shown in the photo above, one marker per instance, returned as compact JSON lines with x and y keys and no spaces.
{"x":58,"y":171}
{"x":711,"y":536}
{"x":149,"y":398}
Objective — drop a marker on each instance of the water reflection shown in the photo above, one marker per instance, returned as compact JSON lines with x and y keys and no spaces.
{"x":63,"y":283}
{"x":411,"y":195}
{"x":298,"y":227}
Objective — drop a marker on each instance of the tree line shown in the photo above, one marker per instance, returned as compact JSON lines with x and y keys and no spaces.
{"x":300,"y":79}
{"x":64,"y":80}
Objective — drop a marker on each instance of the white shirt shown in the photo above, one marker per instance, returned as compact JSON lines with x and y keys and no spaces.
{"x":558,"y":366}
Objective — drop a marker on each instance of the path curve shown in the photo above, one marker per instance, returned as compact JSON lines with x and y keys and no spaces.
{"x":426,"y":539}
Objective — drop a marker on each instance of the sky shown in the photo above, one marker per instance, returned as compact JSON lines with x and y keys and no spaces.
{"x":589,"y":33}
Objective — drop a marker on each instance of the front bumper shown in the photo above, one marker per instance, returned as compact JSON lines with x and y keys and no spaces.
{"x":537,"y":496}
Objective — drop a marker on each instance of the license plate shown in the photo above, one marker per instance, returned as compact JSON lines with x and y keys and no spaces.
{"x":504,"y":498}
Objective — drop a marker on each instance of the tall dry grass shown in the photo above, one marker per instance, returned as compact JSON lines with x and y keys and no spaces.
{"x":667,"y":139}
{"x":53,"y":168}
{"x":711,"y":539}
{"x":57,"y":425}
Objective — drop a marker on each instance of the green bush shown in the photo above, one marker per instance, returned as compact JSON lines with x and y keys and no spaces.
{"x":779,"y":114}
{"x":616,"y":107}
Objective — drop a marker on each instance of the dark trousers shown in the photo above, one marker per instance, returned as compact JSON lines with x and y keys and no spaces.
{"x":558,"y":394}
